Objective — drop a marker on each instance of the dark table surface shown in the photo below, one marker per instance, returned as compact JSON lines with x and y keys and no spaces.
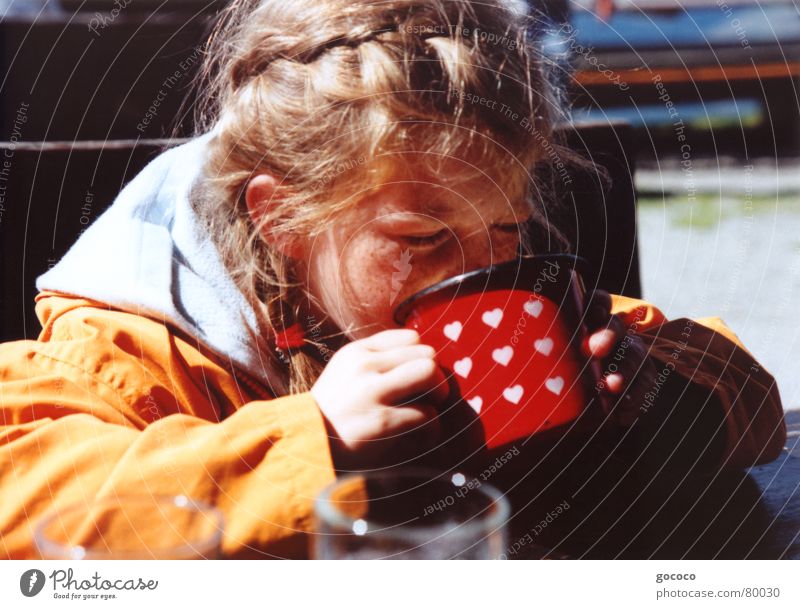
{"x":738,"y":514}
{"x":778,"y":497}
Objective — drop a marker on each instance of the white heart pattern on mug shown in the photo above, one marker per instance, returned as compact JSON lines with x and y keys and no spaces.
{"x":533,"y":308}
{"x":462,"y":367}
{"x":476,"y":403}
{"x":544,"y":345}
{"x":503,"y":356}
{"x":492,"y":318}
{"x":555,"y":385}
{"x":513,"y":394}
{"x":453,"y":330}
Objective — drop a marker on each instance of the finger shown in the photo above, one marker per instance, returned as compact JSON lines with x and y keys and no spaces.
{"x":407,"y":431}
{"x":615,"y":383}
{"x":420,"y":419}
{"x":623,"y":371}
{"x":390,"y":339}
{"x":411,"y":432}
{"x":601,"y":343}
{"x":383,"y":361}
{"x":419,"y":379}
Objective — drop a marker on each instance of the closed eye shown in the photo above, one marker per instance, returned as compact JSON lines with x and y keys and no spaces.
{"x":514,"y":227}
{"x":426,"y":240}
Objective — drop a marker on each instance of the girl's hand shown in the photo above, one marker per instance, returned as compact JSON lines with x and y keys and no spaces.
{"x":379,"y":396}
{"x":628,"y":372}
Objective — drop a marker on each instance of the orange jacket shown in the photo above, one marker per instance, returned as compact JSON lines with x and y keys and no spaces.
{"x":108,"y":402}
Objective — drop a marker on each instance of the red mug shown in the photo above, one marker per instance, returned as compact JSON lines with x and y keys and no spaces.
{"x":508,"y":336}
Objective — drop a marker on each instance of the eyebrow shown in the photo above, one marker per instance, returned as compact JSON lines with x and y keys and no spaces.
{"x":445,"y":206}
{"x":519,"y":212}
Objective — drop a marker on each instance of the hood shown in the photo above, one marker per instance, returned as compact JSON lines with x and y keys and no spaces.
{"x":148,"y":255}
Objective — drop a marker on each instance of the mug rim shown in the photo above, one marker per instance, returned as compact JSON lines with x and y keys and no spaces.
{"x":402,"y":310}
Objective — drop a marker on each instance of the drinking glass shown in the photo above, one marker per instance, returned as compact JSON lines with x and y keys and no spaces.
{"x":131,"y":528}
{"x":410,"y":514}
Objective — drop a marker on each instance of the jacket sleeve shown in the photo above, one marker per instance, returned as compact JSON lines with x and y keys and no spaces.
{"x":709,"y":393}
{"x":63,"y":440}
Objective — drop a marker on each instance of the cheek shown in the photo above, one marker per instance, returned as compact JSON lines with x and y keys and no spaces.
{"x":375,"y":274}
{"x":370,"y":269}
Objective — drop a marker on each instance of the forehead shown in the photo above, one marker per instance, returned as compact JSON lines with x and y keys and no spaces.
{"x":419,"y":183}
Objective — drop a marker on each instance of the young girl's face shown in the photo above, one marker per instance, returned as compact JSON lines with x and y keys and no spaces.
{"x":406,"y":236}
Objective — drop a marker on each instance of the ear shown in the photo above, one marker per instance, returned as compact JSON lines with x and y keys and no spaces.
{"x":260,"y":196}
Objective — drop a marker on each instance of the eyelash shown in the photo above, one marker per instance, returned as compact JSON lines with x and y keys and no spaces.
{"x":426,"y":239}
{"x":435,"y":238}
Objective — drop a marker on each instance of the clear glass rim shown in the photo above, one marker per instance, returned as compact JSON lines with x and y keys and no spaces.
{"x":201,"y":547}
{"x":477,"y":524}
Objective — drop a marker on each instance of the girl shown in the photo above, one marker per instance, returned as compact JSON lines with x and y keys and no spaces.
{"x":224,"y":331}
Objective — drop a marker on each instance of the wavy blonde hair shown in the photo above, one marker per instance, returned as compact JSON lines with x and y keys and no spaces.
{"x":305,"y":90}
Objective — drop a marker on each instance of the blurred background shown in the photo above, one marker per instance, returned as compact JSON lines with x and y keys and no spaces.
{"x":711,"y":90}
{"x":708,"y":90}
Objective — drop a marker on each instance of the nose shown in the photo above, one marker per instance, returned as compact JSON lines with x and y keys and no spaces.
{"x":487,"y":247}
{"x":470,"y":253}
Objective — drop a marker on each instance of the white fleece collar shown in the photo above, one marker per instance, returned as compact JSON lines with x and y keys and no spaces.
{"x":147,"y":255}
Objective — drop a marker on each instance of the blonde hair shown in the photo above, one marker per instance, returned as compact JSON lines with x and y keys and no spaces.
{"x":304,"y":90}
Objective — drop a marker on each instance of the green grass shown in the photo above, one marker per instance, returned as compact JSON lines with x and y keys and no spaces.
{"x":706,"y":211}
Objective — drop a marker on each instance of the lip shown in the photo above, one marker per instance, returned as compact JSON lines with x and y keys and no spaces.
{"x":504,"y":274}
